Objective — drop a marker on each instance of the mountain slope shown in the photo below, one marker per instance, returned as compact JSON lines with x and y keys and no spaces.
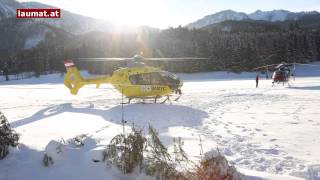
{"x":275,"y":15}
{"x":218,"y":17}
{"x":245,"y":26}
{"x":71,"y":22}
{"x":8,"y":8}
{"x":18,"y":34}
{"x":22,"y":34}
{"x":309,"y":21}
{"x":270,"y":16}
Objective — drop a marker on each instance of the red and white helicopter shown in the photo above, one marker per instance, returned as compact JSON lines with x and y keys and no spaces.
{"x":282,"y":73}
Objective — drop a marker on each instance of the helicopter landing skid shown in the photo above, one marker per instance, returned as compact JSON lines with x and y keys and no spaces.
{"x":129,"y":100}
{"x":167,"y":99}
{"x":150,"y":100}
{"x":177,"y":99}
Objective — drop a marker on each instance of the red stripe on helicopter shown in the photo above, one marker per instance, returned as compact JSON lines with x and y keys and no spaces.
{"x":68,"y":63}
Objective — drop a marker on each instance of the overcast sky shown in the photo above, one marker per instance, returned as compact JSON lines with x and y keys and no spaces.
{"x":165,"y":13}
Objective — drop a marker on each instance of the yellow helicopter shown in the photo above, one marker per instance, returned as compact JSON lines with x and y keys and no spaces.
{"x":137,"y":81}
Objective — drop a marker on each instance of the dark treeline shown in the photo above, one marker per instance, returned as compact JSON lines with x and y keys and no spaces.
{"x":228,"y":46}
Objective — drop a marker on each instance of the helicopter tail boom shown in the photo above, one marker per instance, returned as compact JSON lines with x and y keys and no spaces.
{"x":74,"y":80}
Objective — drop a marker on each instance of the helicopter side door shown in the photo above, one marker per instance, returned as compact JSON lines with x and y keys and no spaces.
{"x":151,"y":83}
{"x":279,"y":76}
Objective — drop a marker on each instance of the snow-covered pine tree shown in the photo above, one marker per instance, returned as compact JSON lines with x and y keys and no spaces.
{"x":126,"y":151}
{"x":8,"y":137}
{"x":178,"y":151}
{"x":158,"y":161}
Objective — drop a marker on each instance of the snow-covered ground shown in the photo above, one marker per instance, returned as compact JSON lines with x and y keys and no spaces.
{"x":266,"y":132}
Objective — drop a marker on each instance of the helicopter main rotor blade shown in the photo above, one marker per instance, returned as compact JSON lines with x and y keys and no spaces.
{"x":142,"y":59}
{"x":266,"y":66}
{"x":103,"y":59}
{"x":175,"y":59}
{"x":285,"y":64}
{"x":303,"y":64}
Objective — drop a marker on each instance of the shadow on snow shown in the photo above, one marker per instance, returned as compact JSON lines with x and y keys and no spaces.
{"x":160,"y":116}
{"x":306,"y":88}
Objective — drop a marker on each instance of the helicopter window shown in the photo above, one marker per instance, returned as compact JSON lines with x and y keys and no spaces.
{"x":153,"y":78}
{"x":156,"y":79}
{"x":135,"y":79}
{"x":170,"y":78}
{"x":169,"y":75}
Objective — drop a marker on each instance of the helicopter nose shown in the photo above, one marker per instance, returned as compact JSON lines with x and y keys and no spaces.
{"x":180,"y":84}
{"x":178,"y":87}
{"x":175,"y":85}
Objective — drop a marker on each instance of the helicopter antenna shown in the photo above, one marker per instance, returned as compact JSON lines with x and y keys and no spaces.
{"x":294,"y":71}
{"x":122,"y":113}
{"x":123,"y":131}
{"x":267,"y":73}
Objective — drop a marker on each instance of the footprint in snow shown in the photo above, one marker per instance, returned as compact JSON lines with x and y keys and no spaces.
{"x":288,"y":157}
{"x":294,"y":123}
{"x":227,"y":152}
{"x":259,"y":160}
{"x":271,"y":151}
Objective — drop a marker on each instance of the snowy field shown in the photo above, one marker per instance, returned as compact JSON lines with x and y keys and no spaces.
{"x":267,"y":133}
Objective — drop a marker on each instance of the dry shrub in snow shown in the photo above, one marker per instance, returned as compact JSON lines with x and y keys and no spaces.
{"x":8,"y":137}
{"x":158,"y":162}
{"x":215,"y":166}
{"x":139,"y":154}
{"x":148,"y":154}
{"x":126,"y":152}
{"x":135,"y":151}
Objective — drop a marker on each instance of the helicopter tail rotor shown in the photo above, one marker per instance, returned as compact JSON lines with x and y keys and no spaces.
{"x":73,"y":79}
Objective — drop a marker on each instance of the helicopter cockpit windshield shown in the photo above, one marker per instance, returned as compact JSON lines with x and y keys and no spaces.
{"x":155,"y":78}
{"x":169,"y":75}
